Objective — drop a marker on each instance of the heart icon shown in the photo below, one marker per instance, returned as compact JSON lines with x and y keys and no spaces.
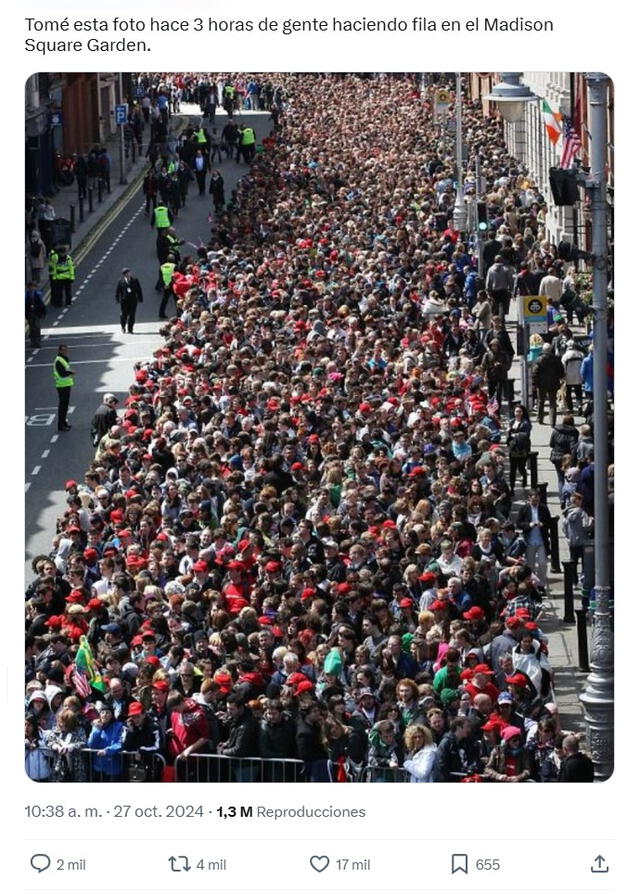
{"x":319,"y":863}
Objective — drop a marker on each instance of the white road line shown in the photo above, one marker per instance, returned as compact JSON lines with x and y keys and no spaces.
{"x":30,"y":359}
{"x":36,"y":470}
{"x":131,"y":359}
{"x":45,"y":454}
{"x":57,"y":322}
{"x":36,"y":351}
{"x":86,"y":346}
{"x":55,"y":437}
{"x":27,"y":486}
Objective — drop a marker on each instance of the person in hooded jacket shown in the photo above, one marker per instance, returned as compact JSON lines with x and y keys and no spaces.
{"x":564,"y":438}
{"x":572,"y":360}
{"x":106,"y":739}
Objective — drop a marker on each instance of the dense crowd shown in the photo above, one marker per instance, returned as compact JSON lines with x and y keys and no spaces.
{"x":303,"y":539}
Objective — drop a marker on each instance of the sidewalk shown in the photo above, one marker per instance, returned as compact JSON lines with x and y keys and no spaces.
{"x":105,"y":211}
{"x":563,"y":643}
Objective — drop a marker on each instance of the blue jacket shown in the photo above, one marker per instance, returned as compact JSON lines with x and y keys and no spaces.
{"x":586,"y":373}
{"x":110,"y":739}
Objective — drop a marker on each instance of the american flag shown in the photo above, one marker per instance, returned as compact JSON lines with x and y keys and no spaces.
{"x":570,"y":145}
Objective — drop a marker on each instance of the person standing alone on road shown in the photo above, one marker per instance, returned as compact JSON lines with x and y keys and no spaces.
{"x":63,"y":377}
{"x":128,"y":295}
{"x":216,"y":190}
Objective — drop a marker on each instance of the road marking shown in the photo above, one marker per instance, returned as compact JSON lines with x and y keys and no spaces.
{"x":45,"y":454}
{"x":54,"y":438}
{"x":36,"y":470}
{"x":93,"y":361}
{"x":86,"y":346}
{"x":27,"y":486}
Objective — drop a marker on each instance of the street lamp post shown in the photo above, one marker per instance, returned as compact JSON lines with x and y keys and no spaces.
{"x":460,"y":209}
{"x":597,"y":698}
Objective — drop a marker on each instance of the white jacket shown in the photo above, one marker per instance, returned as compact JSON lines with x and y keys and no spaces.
{"x":420,"y":765}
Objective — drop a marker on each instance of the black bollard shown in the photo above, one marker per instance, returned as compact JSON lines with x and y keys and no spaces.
{"x":509,"y":391}
{"x":569,"y":568}
{"x":555,"y":545}
{"x":542,"y":491}
{"x":72,"y":217}
{"x":583,"y":643}
{"x":81,"y":209}
{"x":533,"y":469}
{"x":100,"y":187}
{"x":90,"y":196}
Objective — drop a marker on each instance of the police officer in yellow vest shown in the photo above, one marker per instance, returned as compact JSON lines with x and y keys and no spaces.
{"x":161,"y":218}
{"x":247,"y":143}
{"x":228,"y":98}
{"x":61,"y":274}
{"x":166,"y":273}
{"x":202,"y":141}
{"x":63,"y":377}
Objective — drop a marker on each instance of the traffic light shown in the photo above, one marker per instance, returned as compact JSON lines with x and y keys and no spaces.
{"x":564,"y":186}
{"x":483,"y":220}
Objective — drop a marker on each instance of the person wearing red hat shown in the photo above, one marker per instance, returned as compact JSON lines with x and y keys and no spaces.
{"x":142,"y":735}
{"x":188,"y":733}
{"x":481,"y":683}
{"x":508,"y":762}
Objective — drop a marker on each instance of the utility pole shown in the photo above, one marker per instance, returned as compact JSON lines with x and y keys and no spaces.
{"x":123,"y":177}
{"x":460,"y":210}
{"x":597,"y":698}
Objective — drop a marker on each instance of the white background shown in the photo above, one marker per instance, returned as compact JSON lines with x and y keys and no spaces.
{"x":588,"y":36}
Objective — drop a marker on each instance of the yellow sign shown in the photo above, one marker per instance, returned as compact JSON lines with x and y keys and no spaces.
{"x":534,"y":309}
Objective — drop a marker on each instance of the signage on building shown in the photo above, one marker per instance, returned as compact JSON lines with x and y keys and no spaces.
{"x":122,"y":113}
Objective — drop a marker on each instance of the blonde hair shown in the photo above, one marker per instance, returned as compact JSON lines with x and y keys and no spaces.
{"x":416,"y":737}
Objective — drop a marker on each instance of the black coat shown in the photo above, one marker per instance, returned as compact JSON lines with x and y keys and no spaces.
{"x":564,"y":438}
{"x":128,"y":292}
{"x":576,"y":768}
{"x":454,"y":759}
{"x":524,"y":520}
{"x":548,"y":373}
{"x":309,"y":742}
{"x":243,"y":736}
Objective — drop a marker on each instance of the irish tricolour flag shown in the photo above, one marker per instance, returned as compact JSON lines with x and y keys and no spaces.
{"x":552,"y":121}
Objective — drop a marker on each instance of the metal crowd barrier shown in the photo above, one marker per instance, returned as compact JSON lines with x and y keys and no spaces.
{"x":123,"y":767}
{"x":209,"y":768}
{"x":384,"y":775}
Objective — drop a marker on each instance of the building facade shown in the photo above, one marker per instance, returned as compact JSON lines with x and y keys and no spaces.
{"x":67,"y":114}
{"x":528,"y":141}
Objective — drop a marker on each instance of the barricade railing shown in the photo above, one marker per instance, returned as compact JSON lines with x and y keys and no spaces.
{"x":123,"y":767}
{"x":384,"y":775}
{"x":210,"y":768}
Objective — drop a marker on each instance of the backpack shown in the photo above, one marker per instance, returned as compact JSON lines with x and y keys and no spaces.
{"x":34,"y":250}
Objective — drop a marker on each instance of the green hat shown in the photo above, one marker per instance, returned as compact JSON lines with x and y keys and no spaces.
{"x":333,"y":662}
{"x":448,"y":695}
{"x":406,"y":641}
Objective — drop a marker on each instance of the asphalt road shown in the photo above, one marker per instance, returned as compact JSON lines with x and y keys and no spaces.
{"x":101,"y":355}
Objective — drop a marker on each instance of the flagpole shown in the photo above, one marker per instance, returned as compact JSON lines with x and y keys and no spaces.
{"x":574,"y":209}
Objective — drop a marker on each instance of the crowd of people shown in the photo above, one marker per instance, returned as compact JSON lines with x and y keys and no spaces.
{"x":300,"y":549}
